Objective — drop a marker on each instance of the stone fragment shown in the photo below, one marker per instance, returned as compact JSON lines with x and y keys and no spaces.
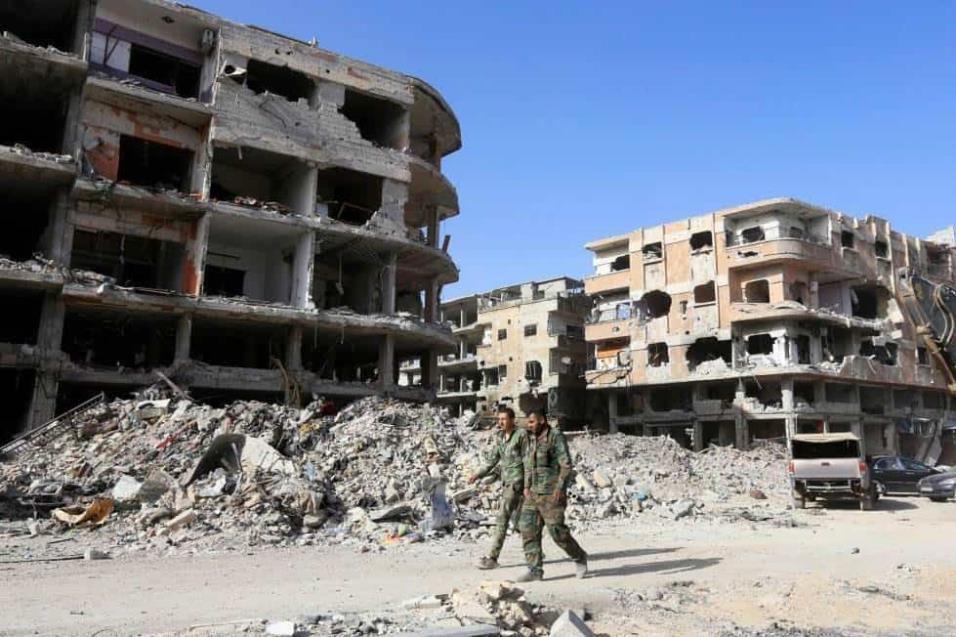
{"x":182,"y":520}
{"x":95,"y":554}
{"x":570,"y":625}
{"x":601,"y":479}
{"x":126,"y":489}
{"x":281,"y":629}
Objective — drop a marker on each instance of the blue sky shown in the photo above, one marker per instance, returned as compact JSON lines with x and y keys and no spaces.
{"x":586,"y":119}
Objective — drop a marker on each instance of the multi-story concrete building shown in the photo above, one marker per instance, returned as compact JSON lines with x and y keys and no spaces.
{"x":249,"y":214}
{"x":521,"y":346}
{"x":765,"y":320}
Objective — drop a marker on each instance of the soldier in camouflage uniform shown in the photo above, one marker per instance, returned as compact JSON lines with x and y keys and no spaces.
{"x":547,"y":472}
{"x":507,"y":454}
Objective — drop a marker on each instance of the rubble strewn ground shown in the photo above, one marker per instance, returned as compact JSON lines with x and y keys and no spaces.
{"x":376,"y":473}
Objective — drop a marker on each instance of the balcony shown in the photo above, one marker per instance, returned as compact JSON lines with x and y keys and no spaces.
{"x":777,"y":250}
{"x":607,"y":330}
{"x":603,"y":283}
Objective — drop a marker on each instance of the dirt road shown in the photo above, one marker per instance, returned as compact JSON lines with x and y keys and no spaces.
{"x":891,"y":571}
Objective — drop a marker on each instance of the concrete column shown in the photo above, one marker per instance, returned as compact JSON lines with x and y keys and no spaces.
{"x":386,"y":362}
{"x":433,"y":226}
{"x":462,"y":348}
{"x":432,"y":301}
{"x":462,"y":317}
{"x":184,"y":335}
{"x":299,"y":189}
{"x":59,"y":234}
{"x":698,"y":441}
{"x":389,"y":275}
{"x":612,"y":412}
{"x":50,"y":334}
{"x":429,"y":363}
{"x":742,"y":432}
{"x":302,"y":271}
{"x":195,"y":259}
{"x":43,"y":404}
{"x":293,"y":351}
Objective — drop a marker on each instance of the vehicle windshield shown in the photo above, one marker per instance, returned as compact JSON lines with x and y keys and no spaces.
{"x":835,"y":449}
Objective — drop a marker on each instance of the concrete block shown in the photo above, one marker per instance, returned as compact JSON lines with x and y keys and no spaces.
{"x":570,"y":625}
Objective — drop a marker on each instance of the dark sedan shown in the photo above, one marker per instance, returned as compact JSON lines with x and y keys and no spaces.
{"x":896,"y":474}
{"x":939,"y":487}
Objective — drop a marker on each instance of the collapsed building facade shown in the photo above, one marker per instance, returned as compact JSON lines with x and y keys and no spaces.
{"x":250,"y":215}
{"x":520,"y":346}
{"x":766,"y":320}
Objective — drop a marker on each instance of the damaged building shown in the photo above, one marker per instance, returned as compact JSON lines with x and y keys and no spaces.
{"x":245,"y":213}
{"x":519,"y":346}
{"x":771,"y":319}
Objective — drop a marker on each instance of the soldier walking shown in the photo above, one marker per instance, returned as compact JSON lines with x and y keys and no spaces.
{"x":547,"y":472}
{"x":508,"y":453}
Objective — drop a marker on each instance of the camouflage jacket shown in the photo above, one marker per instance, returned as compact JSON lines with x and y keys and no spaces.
{"x":509,"y":455}
{"x":547,"y":465}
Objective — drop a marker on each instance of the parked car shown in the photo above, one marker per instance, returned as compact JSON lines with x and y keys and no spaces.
{"x":830,"y":467}
{"x":896,"y":474}
{"x":939,"y":487}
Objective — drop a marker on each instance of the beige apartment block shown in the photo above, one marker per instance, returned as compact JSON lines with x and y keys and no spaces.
{"x":520,"y":346}
{"x":765,"y":320}
{"x":249,"y":214}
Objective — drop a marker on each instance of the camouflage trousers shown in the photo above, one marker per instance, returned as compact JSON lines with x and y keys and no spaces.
{"x":512,"y":496}
{"x":538,"y":512}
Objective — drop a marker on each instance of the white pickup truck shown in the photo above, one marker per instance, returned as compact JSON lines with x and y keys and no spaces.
{"x":830,"y":467}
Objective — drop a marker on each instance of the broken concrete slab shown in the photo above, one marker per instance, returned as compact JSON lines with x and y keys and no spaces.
{"x":475,"y":630}
{"x":570,"y":625}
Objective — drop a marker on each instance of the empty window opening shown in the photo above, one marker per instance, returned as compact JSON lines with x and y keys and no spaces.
{"x":154,"y":165}
{"x":43,"y":23}
{"x":705,"y":293}
{"x":164,"y":72}
{"x":840,"y":393}
{"x":810,"y":426}
{"x":25,"y":220}
{"x":653,"y":251}
{"x":353,"y":360}
{"x":262,"y":77}
{"x":379,"y":121}
{"x":531,"y":330}
{"x":16,"y":396}
{"x":21,"y":316}
{"x":671,"y":398}
{"x":724,"y":392}
{"x":131,"y":261}
{"x":804,"y":393}
{"x":235,"y":345}
{"x":656,"y":303}
{"x":801,"y":345}
{"x":108,"y":340}
{"x":622,"y":311}
{"x":349,"y":196}
{"x":799,"y":292}
{"x":933,"y":400}
{"x":502,"y":335}
{"x":768,"y":394}
{"x":491,"y":377}
{"x":882,"y":249}
{"x":767,"y":429}
{"x":868,"y":302}
{"x":706,"y":350}
{"x":621,"y":263}
{"x":752,"y":235}
{"x":256,"y":179}
{"x":502,"y":372}
{"x":885,"y":353}
{"x":532,"y":371}
{"x":720,"y":433}
{"x":218,"y":397}
{"x":223,"y":281}
{"x":836,"y":343}
{"x":904,"y":399}
{"x":574,"y":331}
{"x":796,"y":232}
{"x":657,"y":355}
{"x":872,"y":400}
{"x":757,"y":291}
{"x":922,"y":356}
{"x":354,"y":281}
{"x":847,"y":238}
{"x":760,"y":344}
{"x":33,"y":116}
{"x":69,"y":395}
{"x":702,"y":240}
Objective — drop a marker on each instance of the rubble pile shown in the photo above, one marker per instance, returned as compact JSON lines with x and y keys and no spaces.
{"x":176,"y":471}
{"x":621,"y":475}
{"x":163,"y":470}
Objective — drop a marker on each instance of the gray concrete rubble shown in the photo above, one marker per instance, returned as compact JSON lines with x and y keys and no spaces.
{"x":159,"y":473}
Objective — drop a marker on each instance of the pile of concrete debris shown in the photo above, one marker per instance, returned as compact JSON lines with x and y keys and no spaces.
{"x":166,"y":470}
{"x":162,"y":470}
{"x":620,"y":475}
